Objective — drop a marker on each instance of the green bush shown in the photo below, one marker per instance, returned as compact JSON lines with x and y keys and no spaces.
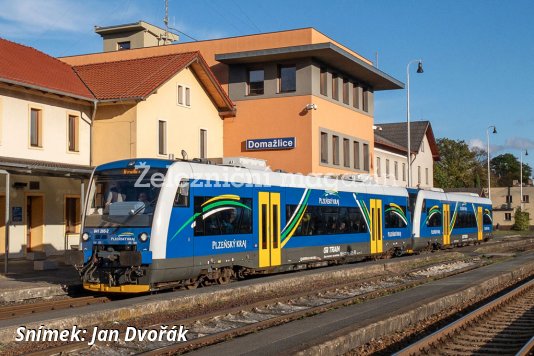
{"x":521,"y":220}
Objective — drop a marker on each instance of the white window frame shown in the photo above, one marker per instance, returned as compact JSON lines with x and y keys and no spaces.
{"x":183,"y":99}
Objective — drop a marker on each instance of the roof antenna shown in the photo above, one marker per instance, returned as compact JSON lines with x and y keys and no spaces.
{"x":376,"y":60}
{"x":166,"y":22}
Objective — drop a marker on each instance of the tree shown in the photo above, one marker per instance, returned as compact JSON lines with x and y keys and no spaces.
{"x":507,"y":168}
{"x":459,"y":167}
{"x":521,"y":220}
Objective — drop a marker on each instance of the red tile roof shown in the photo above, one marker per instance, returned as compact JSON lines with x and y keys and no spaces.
{"x":27,"y":66}
{"x":134,"y":78}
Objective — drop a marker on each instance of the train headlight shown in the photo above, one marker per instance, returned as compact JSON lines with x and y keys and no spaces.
{"x":85,"y":236}
{"x":143,"y":236}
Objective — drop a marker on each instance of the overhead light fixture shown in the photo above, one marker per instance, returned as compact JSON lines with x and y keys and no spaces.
{"x":420,"y":67}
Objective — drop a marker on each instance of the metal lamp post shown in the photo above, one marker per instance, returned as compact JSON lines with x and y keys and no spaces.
{"x":521,"y":177}
{"x":489,"y":177}
{"x":408,"y":155}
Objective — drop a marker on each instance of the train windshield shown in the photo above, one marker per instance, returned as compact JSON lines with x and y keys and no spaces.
{"x":123,"y":197}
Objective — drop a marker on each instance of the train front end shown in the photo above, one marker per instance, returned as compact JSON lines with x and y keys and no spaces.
{"x":119,"y":213}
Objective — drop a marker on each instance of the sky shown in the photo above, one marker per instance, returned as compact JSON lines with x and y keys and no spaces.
{"x":478,"y":55}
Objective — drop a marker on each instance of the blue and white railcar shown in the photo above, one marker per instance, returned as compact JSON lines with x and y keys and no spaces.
{"x":152,"y":224}
{"x":442,"y":219}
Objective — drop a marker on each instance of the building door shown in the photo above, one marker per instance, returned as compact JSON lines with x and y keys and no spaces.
{"x":376,"y":226}
{"x":480,"y":222}
{"x":269,"y":229}
{"x":34,"y":223}
{"x":446,"y":224}
{"x":2,"y":224}
{"x":72,"y":215}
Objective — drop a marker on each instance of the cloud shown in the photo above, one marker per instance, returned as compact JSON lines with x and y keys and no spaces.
{"x":519,"y":143}
{"x":511,"y":144}
{"x":25,"y":18}
{"x":478,"y":143}
{"x":40,"y":16}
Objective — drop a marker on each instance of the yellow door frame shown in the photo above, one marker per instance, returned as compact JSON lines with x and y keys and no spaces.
{"x":269,"y":247}
{"x":446,"y":224}
{"x":377,"y":245}
{"x":480,"y":222}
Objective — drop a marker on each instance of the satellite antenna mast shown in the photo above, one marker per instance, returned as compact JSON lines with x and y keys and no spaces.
{"x":166,"y":22}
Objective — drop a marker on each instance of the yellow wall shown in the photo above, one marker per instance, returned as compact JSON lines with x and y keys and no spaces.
{"x":114,"y":132}
{"x":183,"y":123}
{"x":123,"y":131}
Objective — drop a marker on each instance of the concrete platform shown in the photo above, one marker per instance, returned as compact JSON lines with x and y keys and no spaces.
{"x":125,"y":309}
{"x":28,"y":279}
{"x":340,"y":330}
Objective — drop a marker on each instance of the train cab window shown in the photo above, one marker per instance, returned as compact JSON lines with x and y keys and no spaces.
{"x":395,"y":216}
{"x":217,"y":216}
{"x":182,"y":194}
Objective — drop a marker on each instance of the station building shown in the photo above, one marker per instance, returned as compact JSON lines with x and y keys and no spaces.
{"x":45,"y":128}
{"x":305,"y":103}
{"x":391,"y":147}
{"x":157,"y":107}
{"x":58,"y":121}
{"x":505,"y":202}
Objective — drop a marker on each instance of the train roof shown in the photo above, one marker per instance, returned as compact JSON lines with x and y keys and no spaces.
{"x":461,"y":197}
{"x":267,"y":178}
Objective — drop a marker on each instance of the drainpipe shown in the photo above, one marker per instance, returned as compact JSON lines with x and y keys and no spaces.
{"x":7,"y":215}
{"x":95,"y":105}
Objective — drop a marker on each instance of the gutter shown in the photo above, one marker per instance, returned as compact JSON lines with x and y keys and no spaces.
{"x":57,"y":169}
{"x":43,"y":89}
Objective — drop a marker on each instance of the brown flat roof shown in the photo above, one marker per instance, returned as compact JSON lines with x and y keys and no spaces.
{"x":328,"y":53}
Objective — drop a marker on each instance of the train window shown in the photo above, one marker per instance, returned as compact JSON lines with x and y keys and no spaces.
{"x":434,"y":217}
{"x":395,"y":216}
{"x":218,"y":216}
{"x":487,"y":219}
{"x":412,"y":198}
{"x":275,"y":226}
{"x":465,"y":219}
{"x":325,"y":220}
{"x":264,"y":225}
{"x":181,"y":198}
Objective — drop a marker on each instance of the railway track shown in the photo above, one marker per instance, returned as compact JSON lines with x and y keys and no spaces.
{"x":15,"y":311}
{"x":504,"y":326}
{"x":222,"y":325}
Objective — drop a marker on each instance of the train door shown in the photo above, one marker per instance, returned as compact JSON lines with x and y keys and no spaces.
{"x":480,"y":224}
{"x":376,"y":226}
{"x":446,"y":224}
{"x":269,"y":229}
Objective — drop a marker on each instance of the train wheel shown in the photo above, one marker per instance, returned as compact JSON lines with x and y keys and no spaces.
{"x":223,"y":280}
{"x":225,"y":277}
{"x":191,"y":283}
